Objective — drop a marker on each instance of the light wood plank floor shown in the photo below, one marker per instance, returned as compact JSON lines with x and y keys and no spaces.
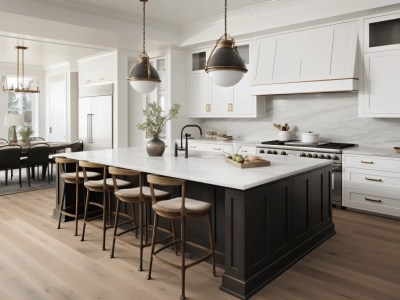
{"x":37,"y":261}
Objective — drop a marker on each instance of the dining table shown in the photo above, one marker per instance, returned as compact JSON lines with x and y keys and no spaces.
{"x":54,"y":146}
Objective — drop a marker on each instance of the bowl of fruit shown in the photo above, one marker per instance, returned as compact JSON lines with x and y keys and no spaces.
{"x":247,"y":161}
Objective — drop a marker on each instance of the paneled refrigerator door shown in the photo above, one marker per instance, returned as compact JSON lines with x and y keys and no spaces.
{"x":101,"y":123}
{"x":85,"y":109}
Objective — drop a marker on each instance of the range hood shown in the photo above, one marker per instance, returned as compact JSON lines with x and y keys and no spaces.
{"x":316,"y":60}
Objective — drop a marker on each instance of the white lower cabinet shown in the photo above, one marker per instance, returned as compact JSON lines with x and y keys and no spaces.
{"x":372,"y":183}
{"x":215,"y":147}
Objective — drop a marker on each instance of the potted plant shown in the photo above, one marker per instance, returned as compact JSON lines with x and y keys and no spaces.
{"x":25,"y":134}
{"x":153,"y":125}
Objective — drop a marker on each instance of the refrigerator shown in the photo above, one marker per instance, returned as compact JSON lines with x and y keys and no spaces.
{"x":95,"y":109}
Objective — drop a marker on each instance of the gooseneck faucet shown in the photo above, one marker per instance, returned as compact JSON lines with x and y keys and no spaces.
{"x":186,"y":137}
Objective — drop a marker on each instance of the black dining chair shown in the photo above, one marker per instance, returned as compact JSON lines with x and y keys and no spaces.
{"x":3,"y":141}
{"x":37,"y":155}
{"x":10,"y":158}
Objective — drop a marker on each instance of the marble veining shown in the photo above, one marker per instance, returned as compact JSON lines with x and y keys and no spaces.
{"x":333,"y":115}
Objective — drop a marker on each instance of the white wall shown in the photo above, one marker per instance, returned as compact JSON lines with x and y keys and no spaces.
{"x":333,"y":116}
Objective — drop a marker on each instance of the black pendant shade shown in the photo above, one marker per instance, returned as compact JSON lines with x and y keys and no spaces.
{"x":226,"y":57}
{"x":143,"y":70}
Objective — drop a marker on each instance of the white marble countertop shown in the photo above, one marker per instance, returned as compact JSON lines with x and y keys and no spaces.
{"x":213,"y":141}
{"x":209,"y":169}
{"x":384,"y":152}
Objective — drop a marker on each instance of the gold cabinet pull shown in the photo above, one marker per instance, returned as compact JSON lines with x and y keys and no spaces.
{"x":373,"y":200}
{"x":373,"y":179}
{"x":367,"y":162}
{"x":192,"y":147}
{"x":244,"y":151}
{"x":230,"y":107}
{"x":208,"y":107}
{"x":217,"y":149}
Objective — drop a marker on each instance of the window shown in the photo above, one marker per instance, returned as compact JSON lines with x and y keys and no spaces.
{"x":23,"y":103}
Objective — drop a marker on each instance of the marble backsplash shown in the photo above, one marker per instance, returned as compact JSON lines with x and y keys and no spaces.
{"x":333,"y":115}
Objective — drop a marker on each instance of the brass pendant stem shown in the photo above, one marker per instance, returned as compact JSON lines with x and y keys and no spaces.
{"x":226,"y":22}
{"x":144,"y":26}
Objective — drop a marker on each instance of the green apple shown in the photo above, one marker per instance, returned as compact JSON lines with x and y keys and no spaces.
{"x":234,"y":156}
{"x":239,"y":159}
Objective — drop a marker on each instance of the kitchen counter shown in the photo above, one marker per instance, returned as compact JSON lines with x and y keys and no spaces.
{"x":265,"y":219}
{"x":201,"y":167}
{"x":384,"y":152}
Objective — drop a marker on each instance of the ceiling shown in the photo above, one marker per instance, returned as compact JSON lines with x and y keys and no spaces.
{"x":42,"y":53}
{"x":171,"y":12}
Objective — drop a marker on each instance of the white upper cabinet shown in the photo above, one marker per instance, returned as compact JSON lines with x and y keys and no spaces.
{"x":380,"y":95}
{"x":321,"y":59}
{"x":208,"y":100}
{"x":97,"y":70}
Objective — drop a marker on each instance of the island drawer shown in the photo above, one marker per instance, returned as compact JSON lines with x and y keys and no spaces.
{"x":371,"y":178}
{"x":372,"y":200}
{"x":372,"y":162}
{"x":193,"y":146}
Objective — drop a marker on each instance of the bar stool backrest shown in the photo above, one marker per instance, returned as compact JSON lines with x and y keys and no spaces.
{"x":166,"y":181}
{"x":124,"y":172}
{"x":86,"y":165}
{"x":10,"y":156}
{"x":62,"y":166}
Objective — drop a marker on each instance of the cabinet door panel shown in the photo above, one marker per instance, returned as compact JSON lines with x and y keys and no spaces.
{"x":287,"y":64}
{"x":199,"y":92}
{"x":242,"y":98}
{"x":84,"y":111}
{"x":102,"y":122}
{"x":381,"y":83}
{"x":264,"y":56}
{"x":220,"y":98}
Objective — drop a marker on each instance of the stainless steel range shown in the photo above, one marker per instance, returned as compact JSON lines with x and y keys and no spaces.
{"x":321,"y":150}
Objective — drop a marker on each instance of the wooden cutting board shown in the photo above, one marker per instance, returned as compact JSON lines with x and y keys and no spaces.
{"x":251,"y":164}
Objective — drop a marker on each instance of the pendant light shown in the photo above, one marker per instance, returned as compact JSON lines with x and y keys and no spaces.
{"x":224,"y":65}
{"x":143,"y":76}
{"x":20,"y":87}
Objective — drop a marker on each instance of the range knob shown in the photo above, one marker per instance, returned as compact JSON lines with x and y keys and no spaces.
{"x":269,"y":152}
{"x":309,"y":155}
{"x":328,"y":157}
{"x":321,"y":156}
{"x":261,"y":151}
{"x":335,"y":157}
{"x":283,"y":153}
{"x":315,"y":155}
{"x":274,"y":152}
{"x":302,"y":154}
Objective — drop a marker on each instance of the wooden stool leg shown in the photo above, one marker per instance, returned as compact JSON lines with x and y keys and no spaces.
{"x":85,"y":216}
{"x":174,"y":236}
{"x":153,"y":244}
{"x":183,"y":268}
{"x":109,"y":208}
{"x":210,"y":232}
{"x":134,"y":220}
{"x":76,"y":207}
{"x":62,"y":205}
{"x":115,"y":226}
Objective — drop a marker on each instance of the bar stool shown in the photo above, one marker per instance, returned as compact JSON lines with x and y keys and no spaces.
{"x":104,"y":186}
{"x":140,"y":195}
{"x":75,"y":178}
{"x":180,"y":208}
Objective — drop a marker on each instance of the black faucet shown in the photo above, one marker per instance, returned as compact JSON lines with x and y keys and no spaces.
{"x":186,"y":137}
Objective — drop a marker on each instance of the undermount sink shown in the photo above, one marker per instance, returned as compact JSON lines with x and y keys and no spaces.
{"x":205,"y":154}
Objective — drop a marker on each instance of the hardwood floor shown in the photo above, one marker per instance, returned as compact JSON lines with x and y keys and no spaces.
{"x":37,"y":261}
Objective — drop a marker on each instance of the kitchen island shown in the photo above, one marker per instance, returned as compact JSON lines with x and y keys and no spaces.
{"x":265,"y":219}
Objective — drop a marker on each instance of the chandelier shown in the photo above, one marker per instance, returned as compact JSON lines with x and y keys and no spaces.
{"x":21,"y":85}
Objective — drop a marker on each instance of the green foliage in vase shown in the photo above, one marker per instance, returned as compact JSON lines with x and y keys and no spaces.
{"x":155,"y":121}
{"x":25,"y":133}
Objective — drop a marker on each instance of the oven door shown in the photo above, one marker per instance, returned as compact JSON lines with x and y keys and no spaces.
{"x":337,"y":185}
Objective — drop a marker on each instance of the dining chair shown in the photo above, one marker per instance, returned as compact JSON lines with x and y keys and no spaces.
{"x":180,"y":208}
{"x":37,"y":138}
{"x":37,"y":155}
{"x":3,"y":141}
{"x":135,"y":196}
{"x":10,"y":158}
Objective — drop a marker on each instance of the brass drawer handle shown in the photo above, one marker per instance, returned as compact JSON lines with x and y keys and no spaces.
{"x":245,"y":151}
{"x":230,"y":107}
{"x":367,"y":162}
{"x":373,"y":200}
{"x":192,"y":147}
{"x":217,"y":149}
{"x":373,"y":179}
{"x":101,"y":78}
{"x":208,"y":107}
{"x":88,"y":81}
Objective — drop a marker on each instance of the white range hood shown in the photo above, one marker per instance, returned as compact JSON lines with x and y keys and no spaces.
{"x":316,"y":60}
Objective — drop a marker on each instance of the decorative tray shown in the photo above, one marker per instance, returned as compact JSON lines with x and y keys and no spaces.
{"x":250,"y":164}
